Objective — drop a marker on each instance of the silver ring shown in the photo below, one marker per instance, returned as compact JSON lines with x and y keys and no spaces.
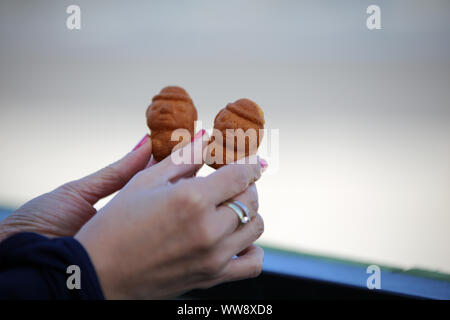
{"x":246,"y":218}
{"x":238,"y":210}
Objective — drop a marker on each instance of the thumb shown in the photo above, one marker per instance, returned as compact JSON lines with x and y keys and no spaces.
{"x":114,"y":177}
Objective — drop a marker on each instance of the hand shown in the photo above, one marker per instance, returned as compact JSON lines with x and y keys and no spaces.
{"x":161,"y":235}
{"x":65,"y":210}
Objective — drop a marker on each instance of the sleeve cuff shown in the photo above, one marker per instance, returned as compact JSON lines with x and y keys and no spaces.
{"x":48,"y":259}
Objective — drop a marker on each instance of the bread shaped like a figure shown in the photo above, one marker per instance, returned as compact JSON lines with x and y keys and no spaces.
{"x":239,"y":128}
{"x":170,"y":110}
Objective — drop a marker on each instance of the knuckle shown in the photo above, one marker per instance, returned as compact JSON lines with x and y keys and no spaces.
{"x":68,"y":187}
{"x":195,"y":201}
{"x":254,"y":205}
{"x":187,"y":197}
{"x":256,"y":268}
{"x":241,"y":179}
{"x":253,"y":200}
{"x":258,"y":226}
{"x":250,"y":199}
{"x":111,"y":173}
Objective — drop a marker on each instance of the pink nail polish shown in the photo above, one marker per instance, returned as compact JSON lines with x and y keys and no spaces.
{"x":141,"y":143}
{"x":198,"y":135}
{"x":263,"y":163}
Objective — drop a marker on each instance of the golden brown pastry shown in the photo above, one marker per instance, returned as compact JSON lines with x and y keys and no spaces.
{"x":243,"y":114}
{"x":171,"y":109}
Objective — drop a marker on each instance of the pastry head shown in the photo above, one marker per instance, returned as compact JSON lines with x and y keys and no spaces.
{"x":171,"y":109}
{"x":242,"y":114}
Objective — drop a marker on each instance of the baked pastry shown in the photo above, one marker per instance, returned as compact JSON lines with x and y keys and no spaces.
{"x":171,"y":109}
{"x":243,"y":114}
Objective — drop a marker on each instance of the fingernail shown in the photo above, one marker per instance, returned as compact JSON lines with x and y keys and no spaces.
{"x":141,"y":143}
{"x":198,"y":135}
{"x":263,"y":163}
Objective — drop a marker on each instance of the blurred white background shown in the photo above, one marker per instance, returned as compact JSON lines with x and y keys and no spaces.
{"x":364,"y":116}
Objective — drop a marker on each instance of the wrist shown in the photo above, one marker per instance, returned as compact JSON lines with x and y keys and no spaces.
{"x":104,"y":264}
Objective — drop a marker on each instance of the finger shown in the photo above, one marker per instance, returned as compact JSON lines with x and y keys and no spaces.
{"x":243,"y":252}
{"x":228,"y":219}
{"x":188,"y":175}
{"x":231,"y":180}
{"x":181,"y":163}
{"x":187,"y":161}
{"x":243,"y":237}
{"x":113,"y":177}
{"x":196,"y":156}
{"x":248,"y":265}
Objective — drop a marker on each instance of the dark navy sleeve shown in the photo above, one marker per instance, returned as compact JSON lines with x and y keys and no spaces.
{"x":35,"y":267}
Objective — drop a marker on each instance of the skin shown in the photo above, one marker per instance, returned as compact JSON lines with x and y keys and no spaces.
{"x":164,"y":233}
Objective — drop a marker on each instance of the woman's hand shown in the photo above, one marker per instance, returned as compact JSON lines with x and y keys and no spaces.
{"x":161,"y":235}
{"x":65,"y":210}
